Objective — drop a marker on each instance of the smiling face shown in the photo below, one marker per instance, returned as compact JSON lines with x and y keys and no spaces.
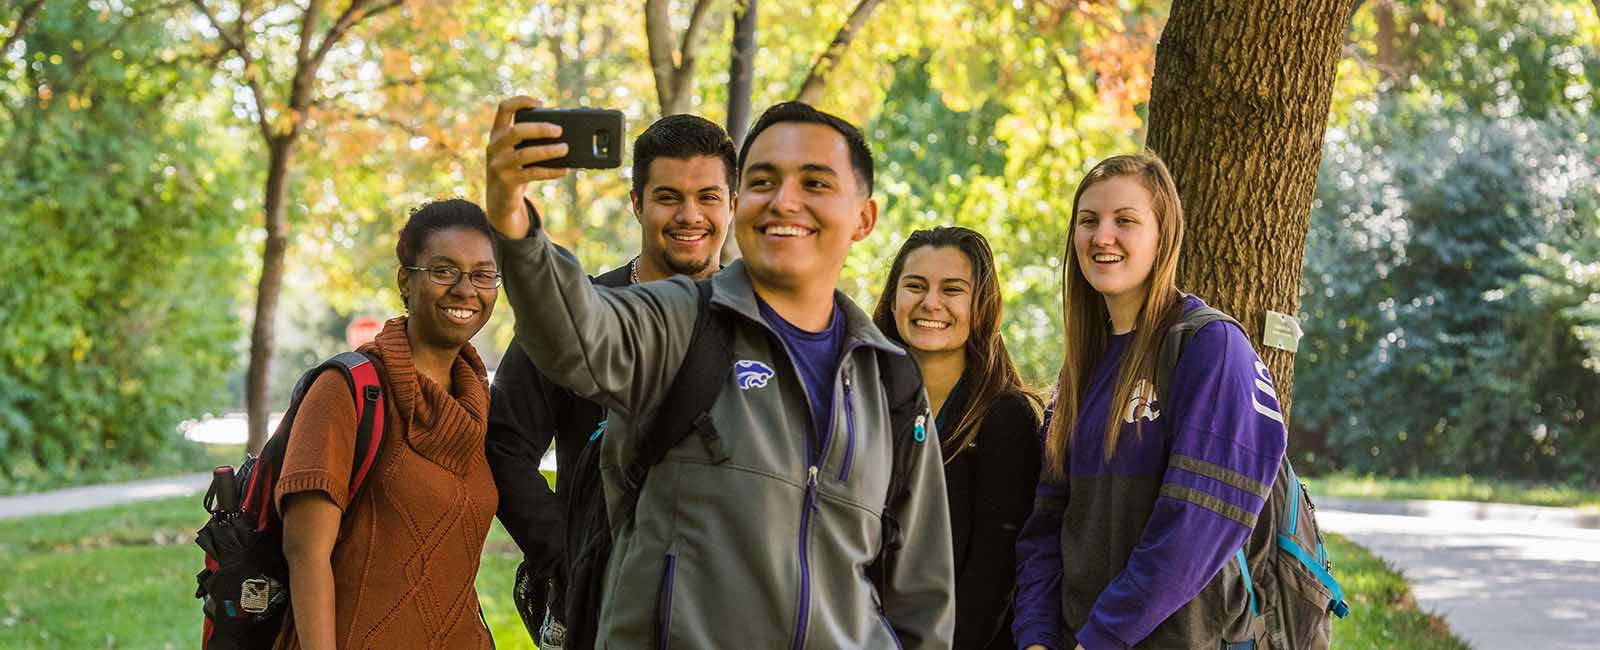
{"x":447,"y":317}
{"x":1114,"y":238}
{"x":801,"y":205}
{"x":933,"y":300}
{"x":683,"y":213}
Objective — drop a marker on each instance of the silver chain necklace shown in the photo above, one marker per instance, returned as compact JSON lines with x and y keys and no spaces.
{"x":633,"y":271}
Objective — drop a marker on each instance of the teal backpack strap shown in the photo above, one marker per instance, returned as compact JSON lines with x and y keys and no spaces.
{"x":1244,"y":573}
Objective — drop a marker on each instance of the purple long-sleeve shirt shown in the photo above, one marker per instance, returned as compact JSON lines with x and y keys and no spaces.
{"x":1114,"y":557}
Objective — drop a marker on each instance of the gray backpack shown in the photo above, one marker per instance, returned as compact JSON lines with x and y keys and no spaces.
{"x":1284,"y":565}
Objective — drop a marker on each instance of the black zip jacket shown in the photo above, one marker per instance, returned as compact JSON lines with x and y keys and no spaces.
{"x":990,"y":484}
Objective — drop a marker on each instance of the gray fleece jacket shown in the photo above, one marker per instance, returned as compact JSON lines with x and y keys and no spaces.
{"x":753,"y":539}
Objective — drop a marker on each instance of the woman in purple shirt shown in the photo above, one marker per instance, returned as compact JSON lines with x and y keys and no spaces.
{"x":1143,"y":506}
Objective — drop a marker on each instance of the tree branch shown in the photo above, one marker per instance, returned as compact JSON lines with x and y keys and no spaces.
{"x":82,"y":58}
{"x":352,"y":16}
{"x":28,"y":13}
{"x":689,"y":50}
{"x":817,"y":80}
{"x":658,"y":36}
{"x":251,"y":70}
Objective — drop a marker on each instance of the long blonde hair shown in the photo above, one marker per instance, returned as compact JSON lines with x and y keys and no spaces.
{"x":1087,"y":323}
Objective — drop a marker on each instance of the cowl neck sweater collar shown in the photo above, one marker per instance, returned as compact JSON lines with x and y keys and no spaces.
{"x":445,"y":425}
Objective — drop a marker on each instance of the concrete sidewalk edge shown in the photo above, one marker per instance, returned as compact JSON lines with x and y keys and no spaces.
{"x":89,"y":497}
{"x":1468,"y":510}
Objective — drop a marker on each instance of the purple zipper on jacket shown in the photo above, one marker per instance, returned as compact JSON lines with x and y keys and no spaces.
{"x":664,"y":602}
{"x":850,"y":431}
{"x":820,"y":458}
{"x":805,"y":564}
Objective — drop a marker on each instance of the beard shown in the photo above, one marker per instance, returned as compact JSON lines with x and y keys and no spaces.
{"x":689,"y":265}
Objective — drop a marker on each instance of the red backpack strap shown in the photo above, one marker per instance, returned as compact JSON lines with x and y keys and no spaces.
{"x":366,"y":387}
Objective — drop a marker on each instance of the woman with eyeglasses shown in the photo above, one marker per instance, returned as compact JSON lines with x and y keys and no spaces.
{"x":942,"y":302}
{"x":395,"y":567}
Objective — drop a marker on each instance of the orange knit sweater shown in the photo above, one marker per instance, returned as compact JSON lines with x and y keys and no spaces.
{"x":408,"y":547}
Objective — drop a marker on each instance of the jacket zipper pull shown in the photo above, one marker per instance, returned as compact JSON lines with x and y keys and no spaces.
{"x":920,"y":430}
{"x":811,"y":488}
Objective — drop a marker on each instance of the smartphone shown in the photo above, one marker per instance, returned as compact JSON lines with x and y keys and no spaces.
{"x":593,"y":136}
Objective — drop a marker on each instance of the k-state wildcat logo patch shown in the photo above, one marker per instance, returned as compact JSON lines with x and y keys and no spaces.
{"x":752,"y":374}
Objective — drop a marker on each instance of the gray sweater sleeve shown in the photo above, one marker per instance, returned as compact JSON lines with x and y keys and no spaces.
{"x":617,"y":347}
{"x":919,"y":598}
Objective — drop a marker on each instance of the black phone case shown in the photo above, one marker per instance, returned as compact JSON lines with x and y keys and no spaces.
{"x":593,"y":135}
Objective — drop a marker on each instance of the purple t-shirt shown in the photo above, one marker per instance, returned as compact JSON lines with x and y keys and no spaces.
{"x":816,"y":358}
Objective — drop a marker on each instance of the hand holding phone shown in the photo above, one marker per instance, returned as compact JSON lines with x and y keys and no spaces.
{"x":508,"y":169}
{"x":593,"y":136}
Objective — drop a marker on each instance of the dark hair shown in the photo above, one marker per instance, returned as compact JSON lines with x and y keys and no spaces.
{"x":683,"y":137}
{"x":432,"y":217}
{"x":990,"y":373}
{"x":860,"y":153}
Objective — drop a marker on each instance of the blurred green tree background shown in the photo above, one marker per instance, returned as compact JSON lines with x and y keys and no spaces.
{"x":1451,"y":293}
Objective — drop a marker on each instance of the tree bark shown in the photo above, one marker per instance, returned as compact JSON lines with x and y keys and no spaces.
{"x":263,"y":333}
{"x":1238,"y":107}
{"x":674,"y":79}
{"x":1389,"y":67}
{"x":741,"y":70}
{"x":817,"y":80}
{"x":281,"y":139}
{"x":28,"y":13}
{"x":741,"y":73}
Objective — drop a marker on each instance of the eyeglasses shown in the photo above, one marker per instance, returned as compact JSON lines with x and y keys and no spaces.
{"x":450,"y":275}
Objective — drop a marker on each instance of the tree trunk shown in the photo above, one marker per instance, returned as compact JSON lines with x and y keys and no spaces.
{"x":1389,"y":67}
{"x":817,"y":80}
{"x":263,"y":335}
{"x":674,"y":79}
{"x":1238,"y":106}
{"x":741,"y":72}
{"x":28,"y":13}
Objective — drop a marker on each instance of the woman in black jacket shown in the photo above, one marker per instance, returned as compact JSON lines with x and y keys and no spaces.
{"x":942,"y":302}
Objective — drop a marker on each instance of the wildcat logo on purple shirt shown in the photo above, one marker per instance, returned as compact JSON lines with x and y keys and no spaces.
{"x":752,"y":374}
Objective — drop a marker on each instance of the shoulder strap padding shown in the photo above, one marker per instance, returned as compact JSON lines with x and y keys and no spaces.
{"x":362,"y":375}
{"x":687,"y":404}
{"x":902,"y":383}
{"x":1177,"y":338}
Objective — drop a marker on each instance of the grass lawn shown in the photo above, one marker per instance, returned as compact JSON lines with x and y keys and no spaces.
{"x":123,"y":577}
{"x":1453,"y":488}
{"x":1382,"y":613}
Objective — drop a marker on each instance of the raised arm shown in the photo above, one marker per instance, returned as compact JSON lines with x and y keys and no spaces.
{"x":617,"y":347}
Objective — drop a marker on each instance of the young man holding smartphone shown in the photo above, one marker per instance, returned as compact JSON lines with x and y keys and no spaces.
{"x":684,"y":172}
{"x":762,"y":537}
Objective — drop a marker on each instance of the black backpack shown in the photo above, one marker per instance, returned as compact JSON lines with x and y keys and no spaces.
{"x":245,"y":583}
{"x":685,"y":410}
{"x":1285,"y":565}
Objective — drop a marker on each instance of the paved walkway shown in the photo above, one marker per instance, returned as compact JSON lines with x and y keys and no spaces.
{"x":99,"y":496}
{"x":1502,"y":576}
{"x":112,"y":494}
